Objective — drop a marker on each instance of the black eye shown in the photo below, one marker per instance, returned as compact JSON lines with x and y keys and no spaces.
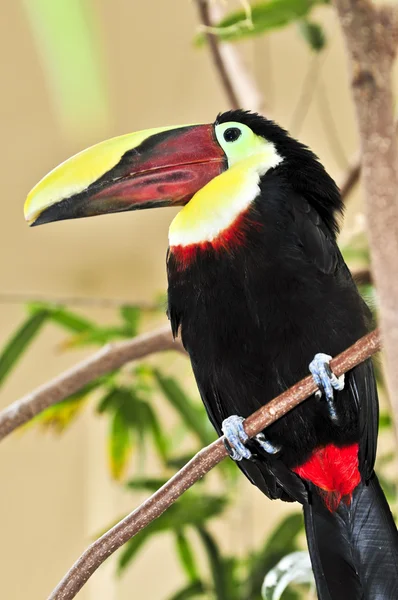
{"x":232,"y":134}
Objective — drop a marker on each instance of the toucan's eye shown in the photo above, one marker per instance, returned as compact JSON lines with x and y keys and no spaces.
{"x":232,"y":134}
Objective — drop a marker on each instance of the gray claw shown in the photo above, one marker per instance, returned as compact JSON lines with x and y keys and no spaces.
{"x":236,"y":436}
{"x":266,"y":444}
{"x":326,"y":381}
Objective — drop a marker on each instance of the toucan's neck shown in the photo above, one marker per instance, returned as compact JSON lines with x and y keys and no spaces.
{"x":213,"y":215}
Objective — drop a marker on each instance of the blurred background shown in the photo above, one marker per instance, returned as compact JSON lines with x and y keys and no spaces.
{"x":73,"y":73}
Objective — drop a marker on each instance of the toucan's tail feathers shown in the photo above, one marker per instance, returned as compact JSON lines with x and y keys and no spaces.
{"x":354,"y":551}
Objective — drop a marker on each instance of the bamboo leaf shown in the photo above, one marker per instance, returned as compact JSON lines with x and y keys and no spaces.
{"x":110,"y":402}
{"x":195,"y":589}
{"x":159,"y":439}
{"x":263,"y":17}
{"x":293,"y":568}
{"x":385,"y":421}
{"x":61,"y":415}
{"x":216,"y":564}
{"x":64,"y":317}
{"x":186,"y":555}
{"x":70,"y":49}
{"x":150,"y":484}
{"x":130,"y":550}
{"x":119,"y":445}
{"x":19,"y":342}
{"x":97,"y":336}
{"x":131,"y":317}
{"x":313,"y":34}
{"x":193,"y":416}
{"x":191,"y":509}
{"x":282,"y":541}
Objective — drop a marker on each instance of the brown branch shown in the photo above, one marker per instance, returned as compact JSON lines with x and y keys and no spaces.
{"x":201,"y":464}
{"x":109,"y":358}
{"x":362,"y":276}
{"x":371,"y":37}
{"x":350,"y":178}
{"x":204,"y":13}
{"x":239,"y":86}
{"x":353,"y":173}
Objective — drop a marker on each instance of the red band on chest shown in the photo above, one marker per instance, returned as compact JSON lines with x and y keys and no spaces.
{"x":334,"y":471}
{"x":233,"y":236}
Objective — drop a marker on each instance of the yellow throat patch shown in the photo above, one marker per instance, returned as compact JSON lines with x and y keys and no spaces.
{"x":214,"y":208}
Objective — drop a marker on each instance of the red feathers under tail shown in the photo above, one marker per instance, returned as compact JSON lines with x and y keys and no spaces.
{"x":334,"y":471}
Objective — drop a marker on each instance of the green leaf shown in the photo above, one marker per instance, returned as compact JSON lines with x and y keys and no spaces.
{"x":282,"y":541}
{"x":110,"y":402}
{"x":60,"y":315}
{"x":150,"y":484}
{"x":292,"y":568}
{"x":61,"y":415}
{"x":131,"y":316}
{"x":19,"y":342}
{"x":191,"y":509}
{"x":216,"y":565}
{"x":313,"y":34}
{"x":193,"y":416}
{"x":87,"y":332}
{"x":385,"y":420}
{"x":131,"y":548}
{"x":264,"y":17}
{"x":186,"y":555}
{"x":195,"y":589}
{"x":74,"y":73}
{"x":159,"y":439}
{"x":97,"y":337}
{"x":119,"y":445}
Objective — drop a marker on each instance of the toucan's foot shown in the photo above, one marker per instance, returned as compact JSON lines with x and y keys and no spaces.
{"x":236,"y":437}
{"x":267,"y":445}
{"x":326,"y":381}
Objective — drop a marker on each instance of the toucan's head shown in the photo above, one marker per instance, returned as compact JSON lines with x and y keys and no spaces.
{"x":167,"y":167}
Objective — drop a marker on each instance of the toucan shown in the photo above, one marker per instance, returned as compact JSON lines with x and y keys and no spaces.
{"x":260,"y":294}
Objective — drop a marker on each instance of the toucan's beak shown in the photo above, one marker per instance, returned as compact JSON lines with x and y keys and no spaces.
{"x":156,"y":167}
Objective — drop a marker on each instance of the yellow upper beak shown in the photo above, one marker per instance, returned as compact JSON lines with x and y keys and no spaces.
{"x":78,"y":173}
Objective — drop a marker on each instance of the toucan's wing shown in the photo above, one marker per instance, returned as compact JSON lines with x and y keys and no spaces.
{"x":319,"y":248}
{"x":269,"y":473}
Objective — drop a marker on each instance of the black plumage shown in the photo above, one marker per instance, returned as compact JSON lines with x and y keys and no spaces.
{"x":252,"y":317}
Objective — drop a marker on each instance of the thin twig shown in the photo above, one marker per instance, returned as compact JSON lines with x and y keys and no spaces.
{"x":203,"y":7}
{"x":106,"y":360}
{"x":306,"y":94}
{"x":350,"y":178}
{"x":327,"y":116}
{"x":201,"y":464}
{"x":362,"y":276}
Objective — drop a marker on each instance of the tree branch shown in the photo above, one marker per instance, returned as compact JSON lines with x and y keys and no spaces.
{"x":239,"y":87}
{"x":371,"y":36}
{"x":353,"y":173}
{"x":350,"y":178}
{"x":109,"y":358}
{"x":201,"y":464}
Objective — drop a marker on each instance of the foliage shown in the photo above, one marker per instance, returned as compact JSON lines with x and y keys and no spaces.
{"x":129,"y":400}
{"x":67,"y":40}
{"x":292,"y":568}
{"x":265,"y":17}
